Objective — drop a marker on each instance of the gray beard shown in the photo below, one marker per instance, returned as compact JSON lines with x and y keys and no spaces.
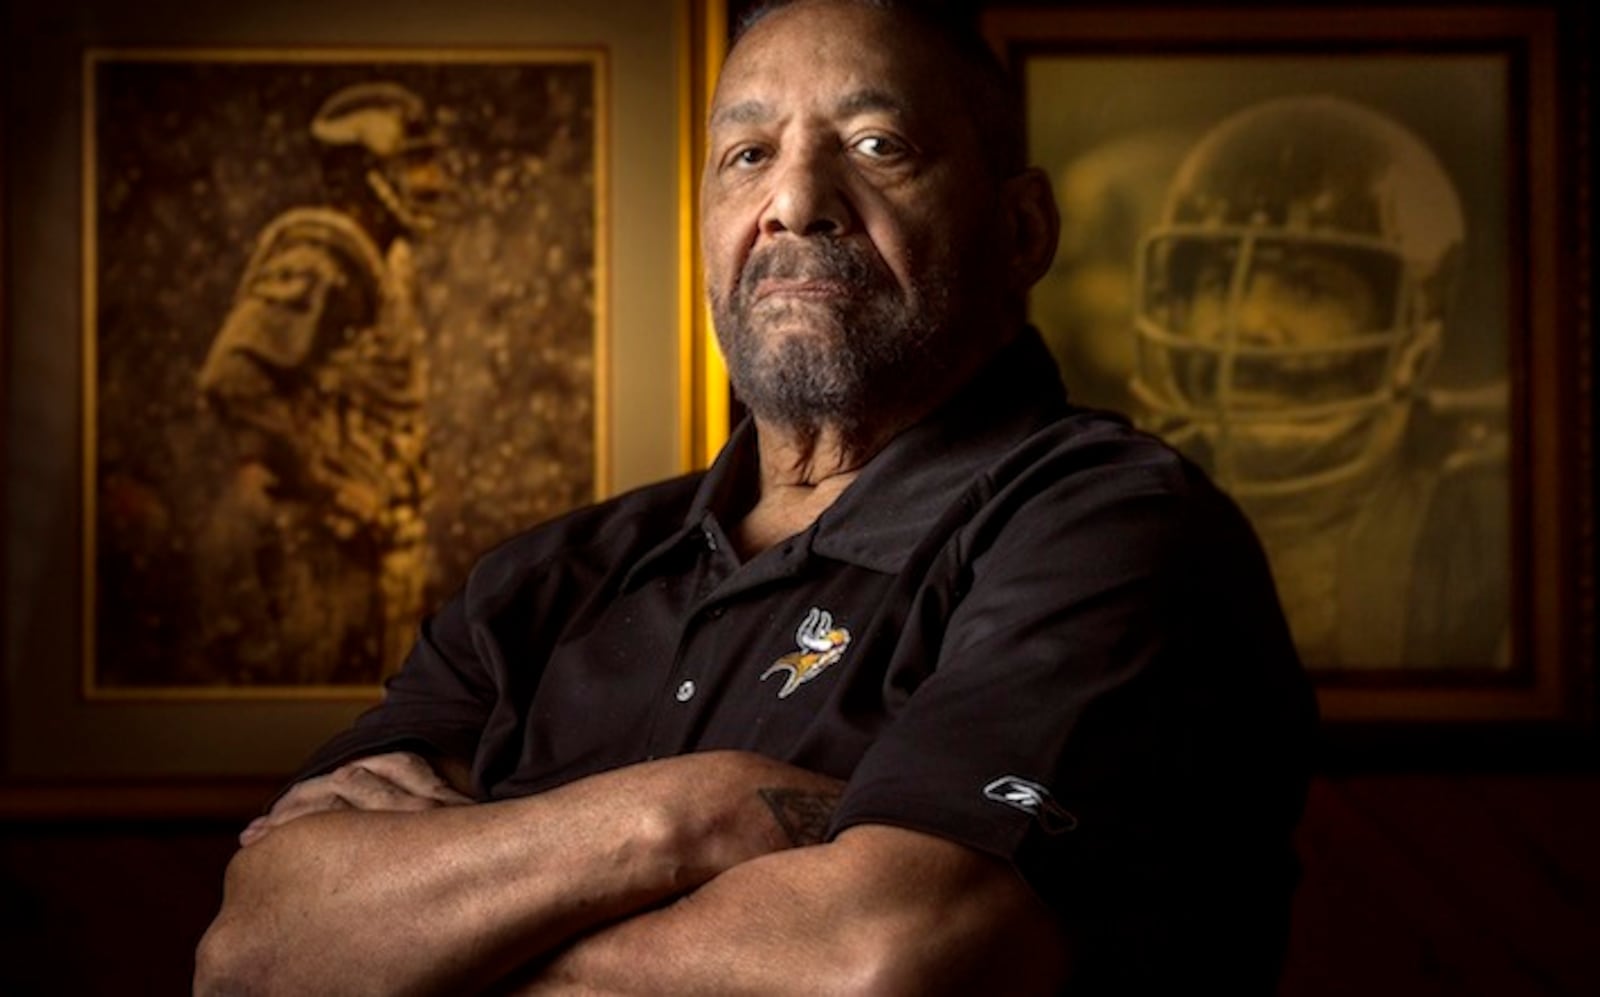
{"x":869,"y":355}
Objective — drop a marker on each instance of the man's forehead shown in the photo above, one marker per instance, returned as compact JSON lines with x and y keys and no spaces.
{"x":844,"y":58}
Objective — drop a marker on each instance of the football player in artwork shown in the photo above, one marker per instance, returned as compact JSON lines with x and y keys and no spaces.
{"x":313,"y":566}
{"x":1291,"y":307}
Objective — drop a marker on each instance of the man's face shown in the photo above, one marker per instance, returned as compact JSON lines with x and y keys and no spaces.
{"x":1295,"y":307}
{"x":421,"y":184}
{"x":846,"y":212}
{"x":1292,"y":367}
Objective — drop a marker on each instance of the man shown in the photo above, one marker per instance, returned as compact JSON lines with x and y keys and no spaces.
{"x":1293,"y":306}
{"x":932,"y":683}
{"x":313,"y":559}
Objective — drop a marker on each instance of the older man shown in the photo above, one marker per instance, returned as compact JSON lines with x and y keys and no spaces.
{"x":931,"y":684}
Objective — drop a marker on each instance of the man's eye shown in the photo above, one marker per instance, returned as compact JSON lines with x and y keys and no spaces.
{"x":1212,"y":281}
{"x":1308,"y":284}
{"x":749,"y":155}
{"x":878,"y":147}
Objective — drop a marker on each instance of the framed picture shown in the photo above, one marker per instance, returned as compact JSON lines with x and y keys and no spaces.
{"x":303,"y":315}
{"x":1322,"y":252}
{"x":345,"y":328}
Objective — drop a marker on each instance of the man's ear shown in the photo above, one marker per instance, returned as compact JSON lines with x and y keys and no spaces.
{"x":1033,"y":225}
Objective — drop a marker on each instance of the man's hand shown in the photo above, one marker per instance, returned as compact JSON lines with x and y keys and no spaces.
{"x":399,"y":781}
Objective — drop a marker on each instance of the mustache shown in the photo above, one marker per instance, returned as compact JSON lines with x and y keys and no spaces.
{"x":825,"y":259}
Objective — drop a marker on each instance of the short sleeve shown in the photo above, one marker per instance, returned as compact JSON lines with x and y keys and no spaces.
{"x":437,"y":705}
{"x":1116,"y":707}
{"x":464,"y":689}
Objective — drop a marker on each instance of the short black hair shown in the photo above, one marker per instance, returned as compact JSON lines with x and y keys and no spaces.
{"x":992,"y":98}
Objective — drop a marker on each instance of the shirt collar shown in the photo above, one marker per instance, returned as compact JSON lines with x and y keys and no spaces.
{"x":731,"y":482}
{"x":724,"y":488}
{"x":902,"y":491}
{"x":899,"y":496}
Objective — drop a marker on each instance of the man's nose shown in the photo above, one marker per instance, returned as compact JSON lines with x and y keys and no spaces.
{"x":808,"y":196}
{"x":1261,"y":319}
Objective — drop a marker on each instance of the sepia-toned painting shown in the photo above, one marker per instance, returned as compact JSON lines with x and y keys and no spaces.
{"x":1299,"y":269}
{"x":345,"y":331}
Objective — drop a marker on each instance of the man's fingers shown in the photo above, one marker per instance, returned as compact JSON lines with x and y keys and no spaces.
{"x":315,"y":800}
{"x":399,"y":781}
{"x":253,"y":831}
{"x":414,"y":774}
{"x":368,"y":789}
{"x":309,"y":797}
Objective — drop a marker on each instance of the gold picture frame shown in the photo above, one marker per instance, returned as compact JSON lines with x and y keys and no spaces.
{"x":85,"y":747}
{"x":1125,"y":104}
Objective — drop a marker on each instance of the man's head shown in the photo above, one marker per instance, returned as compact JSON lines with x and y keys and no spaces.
{"x":1293,"y":300}
{"x":869,"y":232}
{"x":379,"y":144}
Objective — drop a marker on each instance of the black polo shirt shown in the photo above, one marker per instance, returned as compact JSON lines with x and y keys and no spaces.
{"x":1025,"y":627}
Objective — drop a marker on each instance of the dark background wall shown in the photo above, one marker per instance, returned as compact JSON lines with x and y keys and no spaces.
{"x":1460,"y":867}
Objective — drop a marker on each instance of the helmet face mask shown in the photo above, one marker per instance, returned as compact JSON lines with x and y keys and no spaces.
{"x":1262,"y":326}
{"x":401,"y":149}
{"x":1283,"y":319}
{"x":413,"y":187}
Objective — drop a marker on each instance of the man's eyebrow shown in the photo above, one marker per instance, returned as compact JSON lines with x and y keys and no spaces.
{"x":746,"y":112}
{"x":754,"y":112}
{"x":866,"y":101}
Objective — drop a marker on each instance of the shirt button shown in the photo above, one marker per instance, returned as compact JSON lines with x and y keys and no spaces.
{"x":711,"y":540}
{"x":685,"y":691}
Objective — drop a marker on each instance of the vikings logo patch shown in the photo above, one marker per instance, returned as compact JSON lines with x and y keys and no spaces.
{"x":821,"y":644}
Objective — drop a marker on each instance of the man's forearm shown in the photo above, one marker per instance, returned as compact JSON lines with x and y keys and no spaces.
{"x":882,"y":910}
{"x":397,"y":902}
{"x":454,"y":898}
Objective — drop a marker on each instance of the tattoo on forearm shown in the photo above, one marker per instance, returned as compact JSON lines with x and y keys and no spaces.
{"x":802,"y":814}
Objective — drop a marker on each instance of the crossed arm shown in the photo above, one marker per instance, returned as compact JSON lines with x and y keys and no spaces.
{"x":679,"y":875}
